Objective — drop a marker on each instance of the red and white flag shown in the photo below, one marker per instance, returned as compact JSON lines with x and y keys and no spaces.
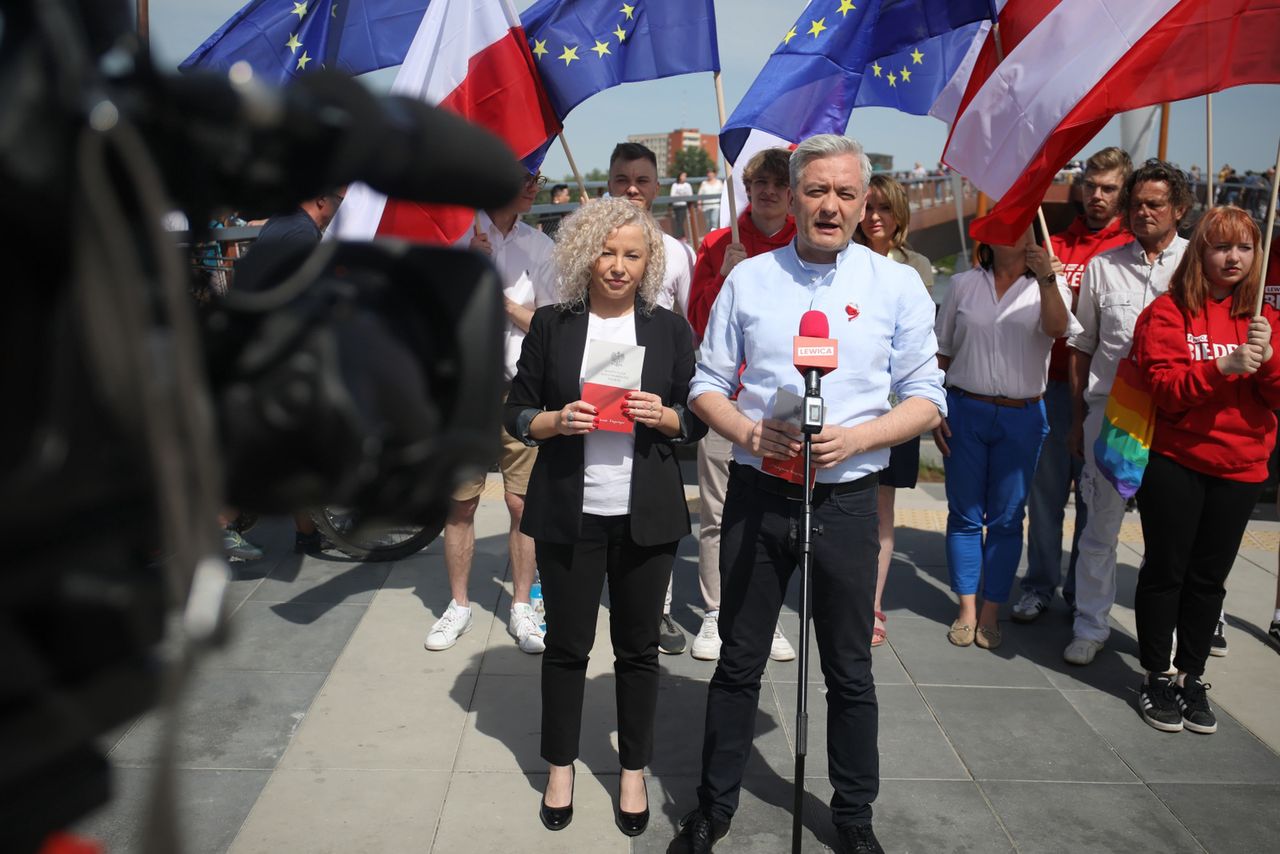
{"x":470,"y":57}
{"x":1071,"y":65}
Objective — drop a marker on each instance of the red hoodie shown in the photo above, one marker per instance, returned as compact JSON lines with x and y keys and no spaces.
{"x":1075,"y":247}
{"x":1211,"y":423}
{"x":707,"y":280}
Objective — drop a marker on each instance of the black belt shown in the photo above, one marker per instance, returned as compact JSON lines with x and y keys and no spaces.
{"x":795,"y":491}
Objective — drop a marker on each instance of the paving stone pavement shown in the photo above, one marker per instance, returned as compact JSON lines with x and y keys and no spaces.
{"x":324,"y":726}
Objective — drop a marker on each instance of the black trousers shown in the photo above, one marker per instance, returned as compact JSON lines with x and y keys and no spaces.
{"x":759,"y":550}
{"x":1192,"y":525}
{"x":572,"y":579}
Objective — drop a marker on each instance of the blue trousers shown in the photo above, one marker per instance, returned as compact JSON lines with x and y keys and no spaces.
{"x":1056,"y":472}
{"x":993,"y":459}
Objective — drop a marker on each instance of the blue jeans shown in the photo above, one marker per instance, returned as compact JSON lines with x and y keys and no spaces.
{"x":992,"y":461}
{"x":1057,"y":472}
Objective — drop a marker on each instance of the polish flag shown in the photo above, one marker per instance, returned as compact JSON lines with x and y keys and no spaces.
{"x":470,"y":57}
{"x":1073,"y":64}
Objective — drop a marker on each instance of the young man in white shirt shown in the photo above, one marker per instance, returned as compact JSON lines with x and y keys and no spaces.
{"x":522,"y":255}
{"x":1117,"y":286}
{"x":633,"y":175}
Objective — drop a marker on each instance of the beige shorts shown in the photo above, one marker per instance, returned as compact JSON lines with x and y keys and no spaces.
{"x":516,"y":464}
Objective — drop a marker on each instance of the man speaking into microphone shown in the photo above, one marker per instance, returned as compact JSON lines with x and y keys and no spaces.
{"x":880,"y":321}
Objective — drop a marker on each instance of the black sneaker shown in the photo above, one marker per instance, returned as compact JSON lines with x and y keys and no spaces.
{"x":1218,"y":644}
{"x":1193,"y":701}
{"x":1158,"y":700}
{"x":699,"y":833}
{"x":857,"y":839}
{"x":670,"y":639}
{"x":311,"y":544}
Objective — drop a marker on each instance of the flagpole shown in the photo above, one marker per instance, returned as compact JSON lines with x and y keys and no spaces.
{"x":1044,"y":231}
{"x":1266,"y":235}
{"x":1163,"y":149}
{"x":1208,"y":169}
{"x":336,"y":28}
{"x":577,"y":176}
{"x":144,"y":21}
{"x":728,"y":167}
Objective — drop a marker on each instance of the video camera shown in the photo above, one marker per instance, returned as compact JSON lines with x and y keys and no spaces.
{"x":368,"y":375}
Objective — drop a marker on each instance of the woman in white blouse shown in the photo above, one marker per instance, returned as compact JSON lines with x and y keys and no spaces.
{"x":995,"y":330}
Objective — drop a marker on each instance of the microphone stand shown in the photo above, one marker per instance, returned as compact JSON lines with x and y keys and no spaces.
{"x":812,"y":416}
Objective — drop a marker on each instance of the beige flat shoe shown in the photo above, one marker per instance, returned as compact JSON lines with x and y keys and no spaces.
{"x":988,"y":638}
{"x":960,"y":634}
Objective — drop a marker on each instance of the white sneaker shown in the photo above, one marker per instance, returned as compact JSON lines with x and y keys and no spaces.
{"x":706,"y":646}
{"x":781,"y":649}
{"x":1029,"y":608}
{"x":1081,"y":651}
{"x":444,"y":634}
{"x":524,"y":627}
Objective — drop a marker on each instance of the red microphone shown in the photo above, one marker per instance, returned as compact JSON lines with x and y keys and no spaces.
{"x":813,"y":350}
{"x":813,"y":354}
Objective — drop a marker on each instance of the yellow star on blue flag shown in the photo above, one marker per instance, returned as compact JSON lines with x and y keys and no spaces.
{"x":654,"y":39}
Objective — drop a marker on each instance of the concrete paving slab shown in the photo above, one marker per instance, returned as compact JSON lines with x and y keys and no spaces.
{"x":681,"y":719}
{"x":213,"y":805}
{"x":325,"y":580}
{"x":1231,"y":755}
{"x":298,"y":638}
{"x":389,"y":641}
{"x":383,"y":721}
{"x":886,"y":667}
{"x":497,"y":813}
{"x":1226,"y":818}
{"x":762,"y":824}
{"x":1061,"y":817}
{"x":937,"y":816}
{"x":337,"y":811}
{"x":930,"y":659}
{"x":1040,"y":736}
{"x":912,"y":745}
{"x":231,"y":719}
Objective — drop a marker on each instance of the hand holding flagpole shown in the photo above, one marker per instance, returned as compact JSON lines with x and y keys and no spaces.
{"x":1267,"y":233}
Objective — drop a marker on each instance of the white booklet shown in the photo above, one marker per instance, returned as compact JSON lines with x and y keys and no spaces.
{"x":611,"y":370}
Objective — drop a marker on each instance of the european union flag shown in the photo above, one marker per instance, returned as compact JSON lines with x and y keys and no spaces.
{"x":586,"y":46}
{"x":283,"y":38}
{"x":841,"y":54}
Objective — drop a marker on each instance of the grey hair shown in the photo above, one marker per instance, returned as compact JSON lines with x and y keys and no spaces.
{"x":580,"y":240}
{"x":828,"y":145}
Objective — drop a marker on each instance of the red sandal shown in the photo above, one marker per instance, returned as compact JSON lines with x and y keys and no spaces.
{"x":878,"y":633}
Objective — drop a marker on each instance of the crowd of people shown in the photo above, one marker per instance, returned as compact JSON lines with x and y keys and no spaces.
{"x":1012,"y":375}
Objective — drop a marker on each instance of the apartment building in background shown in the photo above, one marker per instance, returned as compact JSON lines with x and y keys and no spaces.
{"x":665,"y":145}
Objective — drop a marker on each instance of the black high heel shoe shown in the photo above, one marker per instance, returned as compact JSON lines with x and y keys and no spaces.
{"x":558,"y":818}
{"x":632,"y":823}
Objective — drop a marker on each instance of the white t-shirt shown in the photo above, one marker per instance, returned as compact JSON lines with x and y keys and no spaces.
{"x":606,"y":480}
{"x":997,"y":347}
{"x":681,"y":189}
{"x":678,"y":277}
{"x":523,"y":259}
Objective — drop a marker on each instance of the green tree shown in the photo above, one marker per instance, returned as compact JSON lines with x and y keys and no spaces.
{"x":692,"y":160}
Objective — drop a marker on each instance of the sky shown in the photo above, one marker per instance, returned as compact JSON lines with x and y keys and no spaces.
{"x":1246,"y":119}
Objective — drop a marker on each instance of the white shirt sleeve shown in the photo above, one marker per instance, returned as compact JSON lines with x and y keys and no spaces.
{"x":1086,"y":340}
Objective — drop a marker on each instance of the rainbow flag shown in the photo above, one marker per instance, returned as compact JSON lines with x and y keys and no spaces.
{"x":1123,"y":447}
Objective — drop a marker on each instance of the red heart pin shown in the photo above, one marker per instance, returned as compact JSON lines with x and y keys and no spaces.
{"x":851,"y":310}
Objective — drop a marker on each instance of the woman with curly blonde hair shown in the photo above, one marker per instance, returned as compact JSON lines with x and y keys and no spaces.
{"x":578,"y":247}
{"x":603,"y":504}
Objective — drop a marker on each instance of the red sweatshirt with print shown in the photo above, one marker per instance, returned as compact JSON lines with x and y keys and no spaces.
{"x":1215,"y":424}
{"x":1075,"y":248}
{"x":707,"y":280}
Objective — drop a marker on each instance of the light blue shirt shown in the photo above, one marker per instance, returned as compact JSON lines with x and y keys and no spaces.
{"x":879,"y":312}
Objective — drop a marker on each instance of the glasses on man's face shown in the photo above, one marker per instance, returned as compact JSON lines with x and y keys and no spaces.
{"x":538,"y":181}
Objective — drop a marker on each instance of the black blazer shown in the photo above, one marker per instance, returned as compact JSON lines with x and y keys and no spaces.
{"x":547,"y":378}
